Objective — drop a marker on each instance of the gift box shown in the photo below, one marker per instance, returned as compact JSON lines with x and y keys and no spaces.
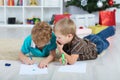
{"x":96,"y":29}
{"x":57,"y":17}
{"x":107,"y":18}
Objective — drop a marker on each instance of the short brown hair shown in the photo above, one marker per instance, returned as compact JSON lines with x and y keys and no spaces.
{"x":41,"y":33}
{"x":65,"y":26}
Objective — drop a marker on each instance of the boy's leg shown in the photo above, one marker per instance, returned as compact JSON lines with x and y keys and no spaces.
{"x":110,"y":31}
{"x":101,"y":44}
{"x":100,"y":38}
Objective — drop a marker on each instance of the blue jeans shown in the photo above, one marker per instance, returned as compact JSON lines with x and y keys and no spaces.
{"x":100,"y":38}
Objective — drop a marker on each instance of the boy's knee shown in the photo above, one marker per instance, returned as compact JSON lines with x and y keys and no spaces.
{"x":106,"y":44}
{"x":112,"y":30}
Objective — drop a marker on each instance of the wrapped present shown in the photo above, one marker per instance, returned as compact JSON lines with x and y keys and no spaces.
{"x":107,"y":18}
{"x":96,"y":29}
{"x":57,"y":17}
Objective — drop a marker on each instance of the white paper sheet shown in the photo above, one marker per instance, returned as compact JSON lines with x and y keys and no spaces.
{"x":78,"y":67}
{"x":32,"y":69}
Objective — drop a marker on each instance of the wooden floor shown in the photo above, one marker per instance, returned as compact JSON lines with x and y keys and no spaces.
{"x":105,"y":67}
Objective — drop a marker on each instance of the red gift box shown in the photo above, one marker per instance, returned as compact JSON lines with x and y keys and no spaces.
{"x":57,"y":17}
{"x":107,"y":18}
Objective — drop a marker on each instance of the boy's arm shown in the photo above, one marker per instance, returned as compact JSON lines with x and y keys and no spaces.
{"x":46,"y":61}
{"x":23,"y":58}
{"x":24,"y":50}
{"x":51,"y":57}
{"x":71,"y":59}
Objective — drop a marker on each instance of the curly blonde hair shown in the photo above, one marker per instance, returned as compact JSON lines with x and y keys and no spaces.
{"x":41,"y":33}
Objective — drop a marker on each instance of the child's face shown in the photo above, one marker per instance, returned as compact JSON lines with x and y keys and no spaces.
{"x":61,"y":39}
{"x":41,"y":45}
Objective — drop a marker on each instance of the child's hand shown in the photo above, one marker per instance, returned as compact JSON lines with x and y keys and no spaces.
{"x":60,"y":60}
{"x":26,"y":60}
{"x":43,"y":63}
{"x":59,"y":46}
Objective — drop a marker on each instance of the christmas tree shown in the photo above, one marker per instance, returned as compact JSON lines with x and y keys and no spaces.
{"x":92,"y":5}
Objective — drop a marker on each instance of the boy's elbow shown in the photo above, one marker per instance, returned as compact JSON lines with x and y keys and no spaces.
{"x":71,"y":62}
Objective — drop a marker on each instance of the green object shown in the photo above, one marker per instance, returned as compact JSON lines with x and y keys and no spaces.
{"x":37,"y":20}
{"x":63,"y":58}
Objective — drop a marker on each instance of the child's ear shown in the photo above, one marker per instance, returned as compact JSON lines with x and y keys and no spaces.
{"x":70,"y":35}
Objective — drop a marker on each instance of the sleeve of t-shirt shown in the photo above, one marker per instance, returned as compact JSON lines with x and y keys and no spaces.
{"x":26,"y":45}
{"x":53,"y":45}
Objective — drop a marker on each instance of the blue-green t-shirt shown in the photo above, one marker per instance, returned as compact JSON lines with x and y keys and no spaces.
{"x":29,"y":47}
